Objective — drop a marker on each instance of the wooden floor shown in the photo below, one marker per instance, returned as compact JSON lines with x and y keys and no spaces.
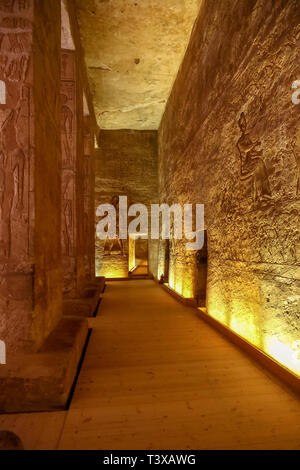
{"x":156,"y":377}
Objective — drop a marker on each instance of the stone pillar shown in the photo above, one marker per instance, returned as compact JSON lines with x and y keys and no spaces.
{"x":30,"y":287}
{"x":72,"y":176}
{"x":30,"y":213}
{"x":89,"y":200}
{"x":93,"y":210}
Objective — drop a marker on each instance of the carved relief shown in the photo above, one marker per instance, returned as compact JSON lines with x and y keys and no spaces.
{"x":68,"y":143}
{"x":87,"y":197}
{"x":253,"y":166}
{"x":66,"y":132}
{"x":16,"y":22}
{"x":14,"y":69}
{"x":67,"y":66}
{"x":11,"y":6}
{"x":12,"y":164}
{"x":68,"y":213}
{"x":15,"y":45}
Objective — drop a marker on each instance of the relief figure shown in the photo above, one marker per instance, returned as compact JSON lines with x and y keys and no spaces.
{"x":14,"y":69}
{"x":253,"y":166}
{"x":12,"y":162}
{"x":66,"y":131}
{"x":68,"y":215}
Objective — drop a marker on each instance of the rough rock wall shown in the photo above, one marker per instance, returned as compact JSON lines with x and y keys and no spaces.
{"x":230,"y":138}
{"x":30,"y":279}
{"x":144,"y":56}
{"x":126,"y":164}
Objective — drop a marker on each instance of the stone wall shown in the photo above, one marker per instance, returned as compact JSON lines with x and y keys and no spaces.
{"x":230,"y":138}
{"x":126,"y":164}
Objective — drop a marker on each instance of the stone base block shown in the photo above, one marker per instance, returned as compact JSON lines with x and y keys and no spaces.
{"x":80,"y":307}
{"x":87,"y":303}
{"x":99,"y":284}
{"x":85,"y":306}
{"x":43,"y":381}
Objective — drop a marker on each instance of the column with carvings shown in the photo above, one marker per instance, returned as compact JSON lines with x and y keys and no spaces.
{"x":30,"y":212}
{"x":72,"y":142}
{"x":89,"y":200}
{"x":29,"y":187}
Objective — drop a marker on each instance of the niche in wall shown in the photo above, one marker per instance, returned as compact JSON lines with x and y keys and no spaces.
{"x":166,"y":260}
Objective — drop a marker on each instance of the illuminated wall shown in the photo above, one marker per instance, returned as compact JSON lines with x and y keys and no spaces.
{"x":230,"y":138}
{"x":126,"y":164}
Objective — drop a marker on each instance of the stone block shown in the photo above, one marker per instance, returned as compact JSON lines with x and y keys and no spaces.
{"x":43,"y":381}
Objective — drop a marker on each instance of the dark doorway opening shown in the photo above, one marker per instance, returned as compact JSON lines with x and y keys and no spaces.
{"x":139,"y":258}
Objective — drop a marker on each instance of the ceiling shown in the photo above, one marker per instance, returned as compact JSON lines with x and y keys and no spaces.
{"x":133,"y":50}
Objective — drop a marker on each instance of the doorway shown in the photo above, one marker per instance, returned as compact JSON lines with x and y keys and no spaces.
{"x":138,"y":257}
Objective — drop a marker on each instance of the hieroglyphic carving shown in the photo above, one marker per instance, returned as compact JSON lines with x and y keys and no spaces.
{"x":12,"y":162}
{"x":67,"y":66}
{"x":11,"y":6}
{"x":15,"y":54}
{"x":17,"y":196}
{"x":68,"y":213}
{"x":253,"y":166}
{"x":66,"y":132}
{"x":68,"y":142}
{"x":15,"y":43}
{"x":87,"y":202}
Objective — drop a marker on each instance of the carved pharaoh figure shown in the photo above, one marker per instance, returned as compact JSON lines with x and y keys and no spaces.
{"x":66,"y":131}
{"x":12,"y":162}
{"x":252,"y":163}
{"x":68,"y":215}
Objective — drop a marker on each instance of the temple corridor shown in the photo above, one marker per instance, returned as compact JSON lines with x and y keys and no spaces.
{"x":155,"y":376}
{"x":149,"y":225}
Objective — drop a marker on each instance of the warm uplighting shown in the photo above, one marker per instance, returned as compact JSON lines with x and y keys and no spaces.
{"x":287,"y":354}
{"x":176,"y":291}
{"x":131,"y":254}
{"x":172,"y":275}
{"x":239,"y":317}
{"x":181,"y":279}
{"x":216,"y":306}
{"x":110,"y":273}
{"x":96,"y":142}
{"x":246,"y":327}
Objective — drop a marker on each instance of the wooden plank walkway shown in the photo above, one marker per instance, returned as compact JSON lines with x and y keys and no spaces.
{"x":156,"y":377}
